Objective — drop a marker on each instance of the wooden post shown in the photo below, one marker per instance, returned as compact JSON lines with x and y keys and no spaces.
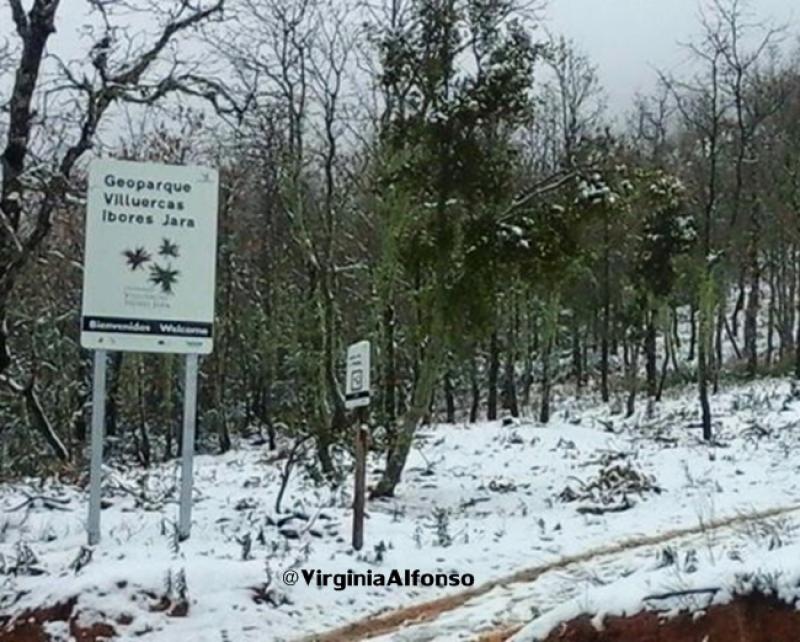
{"x":359,"y":496}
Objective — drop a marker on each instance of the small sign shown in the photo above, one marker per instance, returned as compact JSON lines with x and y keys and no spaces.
{"x":357,"y":392}
{"x":150,"y":258}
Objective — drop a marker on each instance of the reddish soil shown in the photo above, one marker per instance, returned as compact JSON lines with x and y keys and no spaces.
{"x":755,"y":618}
{"x":29,"y":626}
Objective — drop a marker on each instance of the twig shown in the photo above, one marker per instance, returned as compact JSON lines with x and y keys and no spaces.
{"x":687,"y":592}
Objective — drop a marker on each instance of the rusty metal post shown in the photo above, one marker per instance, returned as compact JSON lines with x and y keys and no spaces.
{"x":359,"y":496}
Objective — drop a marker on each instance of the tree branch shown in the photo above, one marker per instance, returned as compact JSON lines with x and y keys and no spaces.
{"x":19,"y":17}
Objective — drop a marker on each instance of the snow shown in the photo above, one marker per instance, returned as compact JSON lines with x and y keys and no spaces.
{"x":718,"y":570}
{"x":482,"y":499}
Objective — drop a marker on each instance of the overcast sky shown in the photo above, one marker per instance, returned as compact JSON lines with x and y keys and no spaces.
{"x":627,"y":39}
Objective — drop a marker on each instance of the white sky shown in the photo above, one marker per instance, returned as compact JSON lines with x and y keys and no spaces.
{"x":628,"y":39}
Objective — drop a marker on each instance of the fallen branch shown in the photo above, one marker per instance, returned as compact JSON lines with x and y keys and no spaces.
{"x":50,"y":503}
{"x":601,"y":510}
{"x":698,"y":591}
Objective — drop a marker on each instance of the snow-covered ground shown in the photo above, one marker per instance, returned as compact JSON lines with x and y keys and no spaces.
{"x":483,"y":499}
{"x":689,"y":575}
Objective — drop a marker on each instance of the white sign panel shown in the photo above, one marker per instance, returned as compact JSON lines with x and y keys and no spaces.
{"x":150,"y":258}
{"x":357,"y":384}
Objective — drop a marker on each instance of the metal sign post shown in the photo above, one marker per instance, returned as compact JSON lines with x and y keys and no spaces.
{"x":187,"y":446}
{"x":98,"y":430}
{"x":357,"y":395}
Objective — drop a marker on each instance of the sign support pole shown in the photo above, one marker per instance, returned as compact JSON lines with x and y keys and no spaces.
{"x":357,"y":395}
{"x":187,"y":446}
{"x":359,"y":496}
{"x":98,"y":430}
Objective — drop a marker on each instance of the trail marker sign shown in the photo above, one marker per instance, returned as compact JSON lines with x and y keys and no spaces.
{"x":151,"y":241}
{"x":357,"y":386}
{"x":148,"y":286}
{"x":357,"y":395}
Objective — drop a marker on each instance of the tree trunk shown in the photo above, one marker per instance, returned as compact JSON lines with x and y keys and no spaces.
{"x":544,"y":408}
{"x":604,"y":331}
{"x":510,"y":385}
{"x":718,"y":360}
{"x":332,"y":402}
{"x":526,"y":382}
{"x":39,"y":421}
{"x":82,"y":395}
{"x":449,"y":399}
{"x":789,"y":320}
{"x":171,"y":425}
{"x":651,"y":365}
{"x":549,"y":334}
{"x":737,"y":309}
{"x":753,"y":304}
{"x":797,"y":335}
{"x":35,"y":29}
{"x":669,"y":352}
{"x":476,"y":391}
{"x":420,"y":403}
{"x":527,"y":375}
{"x":494,"y":370}
{"x":632,"y":375}
{"x":577,"y":357}
{"x":142,"y":436}
{"x":112,"y":402}
{"x":510,"y":401}
{"x":585,"y":353}
{"x":771,"y":314}
{"x":704,"y":327}
{"x":389,"y":366}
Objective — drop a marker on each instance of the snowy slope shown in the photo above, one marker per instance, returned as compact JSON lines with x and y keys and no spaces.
{"x":485,"y":499}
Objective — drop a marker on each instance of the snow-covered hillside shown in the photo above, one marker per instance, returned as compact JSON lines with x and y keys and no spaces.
{"x":582,"y":503}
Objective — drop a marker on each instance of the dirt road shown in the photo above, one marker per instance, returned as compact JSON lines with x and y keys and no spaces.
{"x":396,"y":620}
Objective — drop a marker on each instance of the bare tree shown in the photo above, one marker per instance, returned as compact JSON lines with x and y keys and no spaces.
{"x":703,"y":107}
{"x":650,"y":125}
{"x":30,"y":196}
{"x":576,"y":94}
{"x":730,"y":34}
{"x":298,"y":56}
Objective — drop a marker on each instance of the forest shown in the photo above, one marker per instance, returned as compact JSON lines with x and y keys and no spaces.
{"x":440,"y":177}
